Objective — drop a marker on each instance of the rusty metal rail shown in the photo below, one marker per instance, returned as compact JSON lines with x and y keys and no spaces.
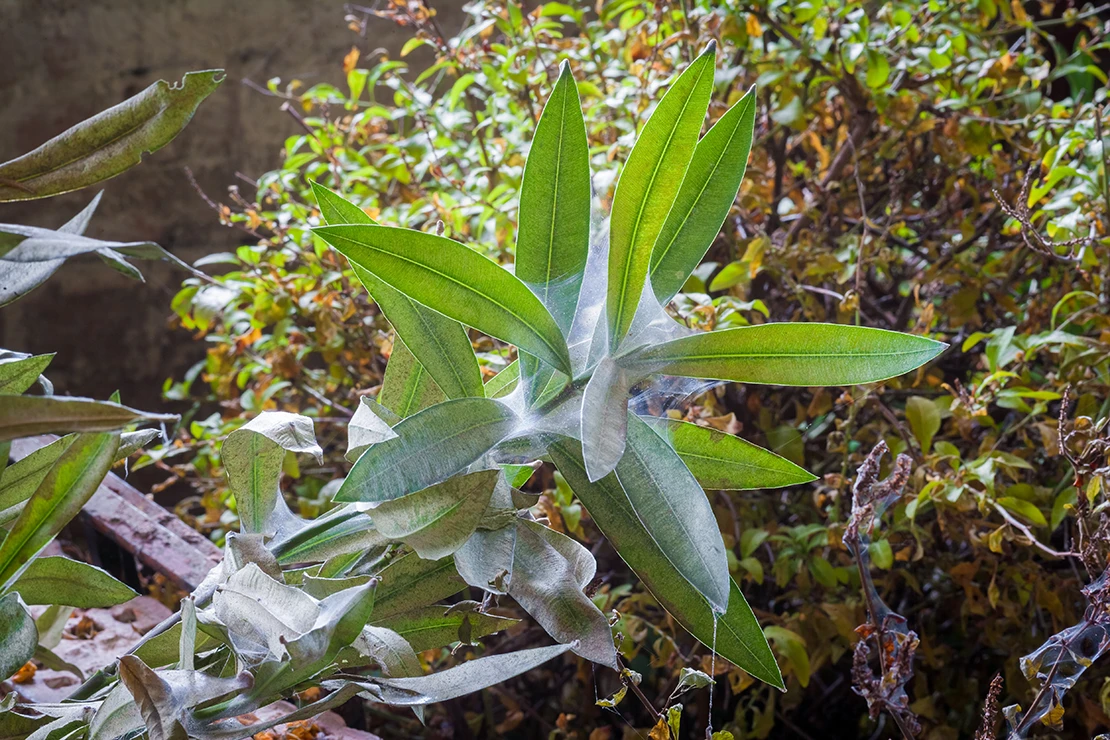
{"x":155,"y":537}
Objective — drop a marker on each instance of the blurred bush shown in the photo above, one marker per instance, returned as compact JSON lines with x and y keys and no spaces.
{"x":935,"y":167}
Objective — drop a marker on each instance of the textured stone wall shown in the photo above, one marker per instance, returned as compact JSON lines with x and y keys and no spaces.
{"x":64,"y":60}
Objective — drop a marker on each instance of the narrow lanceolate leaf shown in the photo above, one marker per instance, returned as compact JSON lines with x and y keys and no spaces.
{"x":505,"y":382}
{"x":739,"y":638}
{"x":675,"y":511}
{"x":20,"y":373}
{"x":789,"y":354}
{"x":108,"y":143}
{"x":253,"y":457}
{"x":463,"y":679}
{"x":22,"y":478}
{"x":430,"y":627}
{"x":724,"y":462}
{"x":438,"y":520}
{"x":553,"y":238}
{"x":440,"y":344}
{"x":26,"y":416}
{"x":456,"y":281}
{"x":407,"y":387}
{"x":37,"y":253}
{"x":703,"y":202}
{"x":430,"y":447}
{"x":342,"y":530}
{"x":647,"y":187}
{"x":63,"y":491}
{"x":58,"y":580}
{"x":18,"y":636}
{"x":410,"y":582}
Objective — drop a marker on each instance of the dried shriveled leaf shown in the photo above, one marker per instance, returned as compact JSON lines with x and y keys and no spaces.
{"x":108,"y":143}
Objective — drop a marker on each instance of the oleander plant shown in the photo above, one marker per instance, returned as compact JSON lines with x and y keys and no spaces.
{"x":433,"y":503}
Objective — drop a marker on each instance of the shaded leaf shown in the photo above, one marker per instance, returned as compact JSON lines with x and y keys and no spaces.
{"x":739,"y":638}
{"x":410,"y":582}
{"x":18,"y":636}
{"x":437,"y":520}
{"x":108,"y":143}
{"x":69,"y":483}
{"x":407,"y":387}
{"x":26,"y":416}
{"x":553,"y":237}
{"x":366,"y":428}
{"x":430,"y":627}
{"x":430,"y":446}
{"x":20,"y":373}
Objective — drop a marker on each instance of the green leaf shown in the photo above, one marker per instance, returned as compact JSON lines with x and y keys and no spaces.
{"x":674,"y":511}
{"x":26,"y":416}
{"x":924,"y":418}
{"x":430,"y":627}
{"x":59,"y":580}
{"x":71,"y":481}
{"x":341,"y":531}
{"x":407,"y":387}
{"x":553,"y":237}
{"x":439,"y":344}
{"x":722,"y":461}
{"x":18,"y":636}
{"x":505,"y":382}
{"x":108,"y":143}
{"x":647,"y":187}
{"x":793,"y":646}
{"x":704,"y":200}
{"x":878,"y":69}
{"x":410,"y":582}
{"x":253,"y":456}
{"x":739,"y":638}
{"x":23,"y":477}
{"x":456,"y":281}
{"x":19,"y":374}
{"x":438,"y":520}
{"x":1025,"y":509}
{"x":430,"y":446}
{"x":804,"y":354}
{"x":881,"y":555}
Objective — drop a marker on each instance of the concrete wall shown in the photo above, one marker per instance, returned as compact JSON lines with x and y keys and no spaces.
{"x":64,"y":60}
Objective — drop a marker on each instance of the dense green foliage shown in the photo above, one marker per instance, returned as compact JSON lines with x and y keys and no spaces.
{"x":933,"y":168}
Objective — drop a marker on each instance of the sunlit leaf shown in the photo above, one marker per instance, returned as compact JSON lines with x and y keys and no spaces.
{"x":647,"y":187}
